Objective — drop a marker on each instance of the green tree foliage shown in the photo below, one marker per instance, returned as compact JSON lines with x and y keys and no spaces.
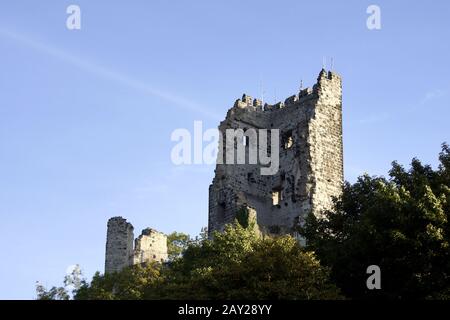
{"x":176,"y":244}
{"x":236,"y":264}
{"x":242,"y":217}
{"x":133,"y":283}
{"x":54,"y":293}
{"x":400,"y":224}
{"x":72,"y":283}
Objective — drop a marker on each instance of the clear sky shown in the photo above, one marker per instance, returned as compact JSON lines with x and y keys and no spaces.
{"x":86,"y":115}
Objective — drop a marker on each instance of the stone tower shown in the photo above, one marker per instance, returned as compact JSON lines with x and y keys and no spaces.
{"x":151,"y":245}
{"x":310,"y":169}
{"x":119,"y":244}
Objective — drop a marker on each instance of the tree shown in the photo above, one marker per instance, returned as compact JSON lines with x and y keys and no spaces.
{"x":235,"y":264}
{"x":176,"y":243}
{"x":72,"y":283}
{"x":400,"y":224}
{"x":132,"y":283}
{"x":55,"y":293}
{"x":238,"y":264}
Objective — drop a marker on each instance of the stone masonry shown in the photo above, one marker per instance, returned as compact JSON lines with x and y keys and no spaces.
{"x":151,"y":245}
{"x":311,"y":160}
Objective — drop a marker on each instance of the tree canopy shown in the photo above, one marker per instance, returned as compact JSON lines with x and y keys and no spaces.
{"x":236,"y":264}
{"x":400,"y":224}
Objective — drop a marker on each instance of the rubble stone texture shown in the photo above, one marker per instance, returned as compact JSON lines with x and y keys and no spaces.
{"x":151,"y":245}
{"x":311,"y":160}
{"x":119,"y":244}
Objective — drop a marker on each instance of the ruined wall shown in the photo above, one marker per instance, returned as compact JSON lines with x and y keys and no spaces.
{"x":325,"y":139}
{"x":119,"y":244}
{"x":151,"y":245}
{"x":311,"y":160}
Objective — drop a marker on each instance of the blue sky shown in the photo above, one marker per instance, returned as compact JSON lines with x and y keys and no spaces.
{"x":86,"y":115}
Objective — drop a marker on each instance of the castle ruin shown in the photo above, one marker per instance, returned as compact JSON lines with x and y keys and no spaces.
{"x":310,"y":160}
{"x":151,"y":245}
{"x":309,"y":174}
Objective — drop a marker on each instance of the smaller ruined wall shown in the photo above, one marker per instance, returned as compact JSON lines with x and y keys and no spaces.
{"x":119,"y":244}
{"x":151,"y":245}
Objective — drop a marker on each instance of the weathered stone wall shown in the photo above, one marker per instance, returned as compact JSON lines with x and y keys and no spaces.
{"x":311,"y":159}
{"x":119,"y":244}
{"x":325,"y":138}
{"x":151,"y":245}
